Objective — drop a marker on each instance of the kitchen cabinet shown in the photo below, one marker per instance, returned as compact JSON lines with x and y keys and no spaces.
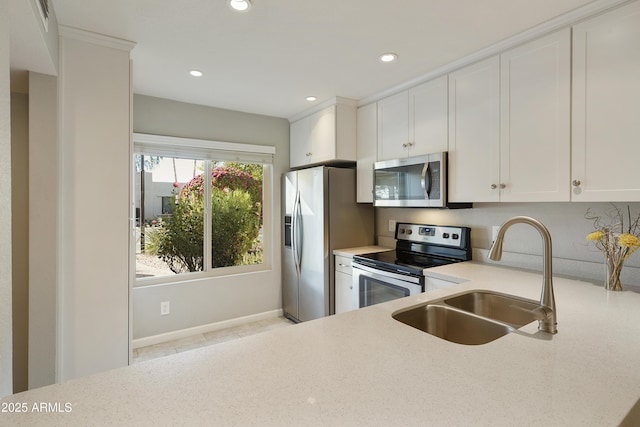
{"x":343,"y":285}
{"x":510,"y":125}
{"x":535,"y":112}
{"x":414,"y":122}
{"x":606,"y":107}
{"x":328,"y":135}
{"x":474,"y":132}
{"x":366,"y":150}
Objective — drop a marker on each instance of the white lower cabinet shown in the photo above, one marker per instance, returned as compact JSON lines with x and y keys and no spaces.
{"x":343,"y":284}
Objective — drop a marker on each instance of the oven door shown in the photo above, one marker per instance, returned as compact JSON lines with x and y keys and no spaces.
{"x":373,"y":286}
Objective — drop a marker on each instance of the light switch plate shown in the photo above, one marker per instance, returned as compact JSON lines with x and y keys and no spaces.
{"x":392,"y":225}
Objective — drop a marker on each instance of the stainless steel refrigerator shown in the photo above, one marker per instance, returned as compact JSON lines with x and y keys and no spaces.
{"x":320,"y":214}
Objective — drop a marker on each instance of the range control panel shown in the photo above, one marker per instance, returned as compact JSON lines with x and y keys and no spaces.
{"x":432,"y":234}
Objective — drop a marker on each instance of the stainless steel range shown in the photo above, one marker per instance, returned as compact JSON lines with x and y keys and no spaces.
{"x":385,"y":276}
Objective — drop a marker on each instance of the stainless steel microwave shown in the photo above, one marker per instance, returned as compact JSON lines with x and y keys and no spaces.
{"x":419,"y":182}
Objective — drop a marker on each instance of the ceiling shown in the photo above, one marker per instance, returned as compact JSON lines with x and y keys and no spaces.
{"x":267,"y":60}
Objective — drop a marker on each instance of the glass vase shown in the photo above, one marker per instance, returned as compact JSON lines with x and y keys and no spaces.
{"x":612,"y":275}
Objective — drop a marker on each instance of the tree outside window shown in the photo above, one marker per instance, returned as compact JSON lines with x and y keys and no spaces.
{"x":175,"y":241}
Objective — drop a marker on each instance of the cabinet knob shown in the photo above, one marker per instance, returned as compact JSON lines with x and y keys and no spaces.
{"x":576,"y":183}
{"x":308,"y":154}
{"x":503,"y":186}
{"x":493,"y":186}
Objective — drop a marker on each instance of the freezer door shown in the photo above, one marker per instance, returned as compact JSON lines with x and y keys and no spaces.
{"x":314,"y":261}
{"x":290,"y":276}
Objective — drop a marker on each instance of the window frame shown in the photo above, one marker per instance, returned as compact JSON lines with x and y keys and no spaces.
{"x":207,"y":150}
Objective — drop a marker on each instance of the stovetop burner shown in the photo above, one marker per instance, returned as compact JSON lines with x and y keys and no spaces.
{"x":420,"y":246}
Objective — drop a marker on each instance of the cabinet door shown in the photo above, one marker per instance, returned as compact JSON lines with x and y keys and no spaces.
{"x":535,"y":120}
{"x":344,"y":293}
{"x":393,"y":126}
{"x":323,"y":135}
{"x":474,"y":127}
{"x":428,"y":117}
{"x":366,"y":147}
{"x":606,"y":107}
{"x":299,"y":142}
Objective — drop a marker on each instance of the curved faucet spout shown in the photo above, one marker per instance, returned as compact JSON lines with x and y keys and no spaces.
{"x":547,"y":299}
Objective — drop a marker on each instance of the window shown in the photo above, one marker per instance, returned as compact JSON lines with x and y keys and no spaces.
{"x":188,"y":226}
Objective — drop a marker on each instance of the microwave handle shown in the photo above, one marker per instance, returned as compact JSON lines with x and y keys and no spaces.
{"x":426,"y":180}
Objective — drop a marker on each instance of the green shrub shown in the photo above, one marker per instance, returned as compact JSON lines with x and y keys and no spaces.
{"x":236,"y":218}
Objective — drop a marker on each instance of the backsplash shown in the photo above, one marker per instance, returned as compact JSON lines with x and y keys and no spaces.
{"x":573,"y":255}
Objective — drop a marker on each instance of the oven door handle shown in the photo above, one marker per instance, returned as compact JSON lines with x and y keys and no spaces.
{"x":382,"y":274}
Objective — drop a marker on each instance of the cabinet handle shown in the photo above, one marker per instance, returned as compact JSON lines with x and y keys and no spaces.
{"x":493,"y":186}
{"x":343,"y":265}
{"x":576,"y":183}
{"x":405,"y":145}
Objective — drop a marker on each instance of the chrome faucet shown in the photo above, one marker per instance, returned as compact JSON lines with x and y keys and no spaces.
{"x":548,"y":321}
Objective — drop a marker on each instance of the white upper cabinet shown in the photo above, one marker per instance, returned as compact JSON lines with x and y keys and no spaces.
{"x":474,"y":132}
{"x":325,"y":136}
{"x":535,"y":144}
{"x":509,"y":125}
{"x":393,"y":126}
{"x":414,"y":122}
{"x":606,"y":107}
{"x":366,"y":149}
{"x":428,"y":117}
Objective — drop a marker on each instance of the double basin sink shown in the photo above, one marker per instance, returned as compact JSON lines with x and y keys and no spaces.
{"x":472,"y":318}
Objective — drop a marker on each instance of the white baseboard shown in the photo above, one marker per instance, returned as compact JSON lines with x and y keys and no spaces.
{"x":174,"y":335}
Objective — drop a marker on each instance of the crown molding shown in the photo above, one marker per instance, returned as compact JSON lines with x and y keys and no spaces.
{"x":324,"y":104}
{"x":95,"y":38}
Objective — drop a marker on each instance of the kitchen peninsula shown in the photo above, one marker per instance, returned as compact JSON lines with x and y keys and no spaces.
{"x":365,"y":368}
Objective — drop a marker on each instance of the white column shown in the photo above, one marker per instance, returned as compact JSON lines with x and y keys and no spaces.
{"x":95,"y":135}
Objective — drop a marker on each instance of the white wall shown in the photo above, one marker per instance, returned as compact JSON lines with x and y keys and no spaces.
{"x":43,"y":220}
{"x":95,"y":135}
{"x":6,"y":365}
{"x":201,"y":302}
{"x":573,"y":256}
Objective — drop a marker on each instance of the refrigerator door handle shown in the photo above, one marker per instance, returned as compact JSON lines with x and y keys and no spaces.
{"x":299,"y":235}
{"x":294,"y":233}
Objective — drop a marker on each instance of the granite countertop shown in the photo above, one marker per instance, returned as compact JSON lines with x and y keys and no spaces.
{"x":365,"y":368}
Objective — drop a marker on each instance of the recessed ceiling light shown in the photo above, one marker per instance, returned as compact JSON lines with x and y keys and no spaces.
{"x":240,"y":5}
{"x":311,"y":98}
{"x":196,"y":73}
{"x":388,"y":57}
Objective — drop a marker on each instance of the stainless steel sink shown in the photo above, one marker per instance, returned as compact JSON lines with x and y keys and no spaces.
{"x":452,"y":324}
{"x":509,"y":309}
